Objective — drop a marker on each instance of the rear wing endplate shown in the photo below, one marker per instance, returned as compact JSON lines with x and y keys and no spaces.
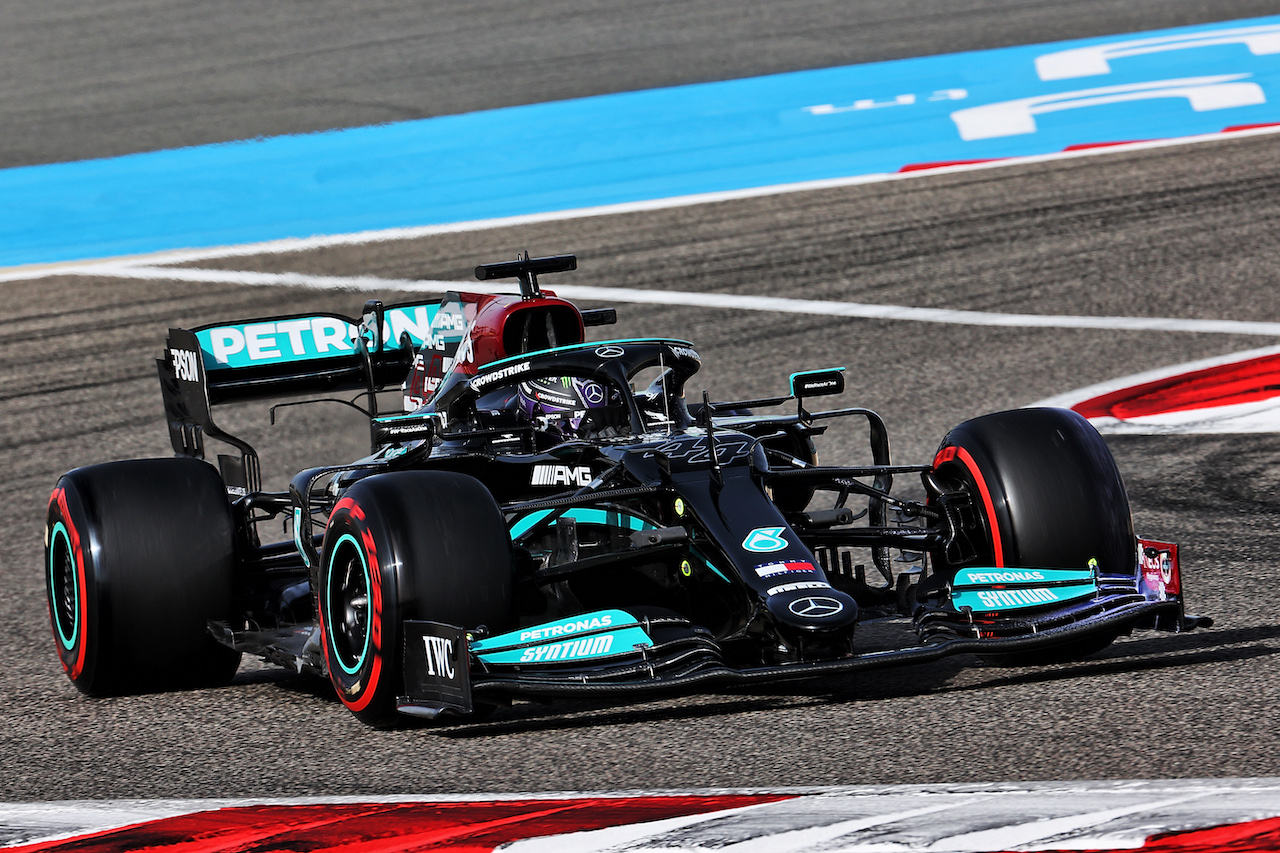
{"x":281,"y":356}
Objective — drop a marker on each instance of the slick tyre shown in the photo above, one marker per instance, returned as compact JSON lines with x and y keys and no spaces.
{"x":1047,"y":494}
{"x":424,"y":545}
{"x":139,"y":556}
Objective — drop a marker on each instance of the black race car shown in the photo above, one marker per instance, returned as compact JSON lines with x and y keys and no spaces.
{"x":551,"y":518}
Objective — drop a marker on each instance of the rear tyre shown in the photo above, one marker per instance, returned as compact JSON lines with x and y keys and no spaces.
{"x":139,"y":555}
{"x":423,"y":545}
{"x":1047,"y":494}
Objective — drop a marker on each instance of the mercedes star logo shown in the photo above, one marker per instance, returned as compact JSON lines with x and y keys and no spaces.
{"x":815,"y":606}
{"x":610,"y":351}
{"x":593,"y":393}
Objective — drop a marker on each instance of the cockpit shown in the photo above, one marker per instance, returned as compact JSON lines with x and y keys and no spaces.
{"x":597,"y":390}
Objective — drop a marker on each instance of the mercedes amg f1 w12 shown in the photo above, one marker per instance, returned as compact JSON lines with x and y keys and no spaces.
{"x":549,"y":517}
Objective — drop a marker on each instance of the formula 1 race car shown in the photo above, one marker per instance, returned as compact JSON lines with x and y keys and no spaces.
{"x":551,"y":518}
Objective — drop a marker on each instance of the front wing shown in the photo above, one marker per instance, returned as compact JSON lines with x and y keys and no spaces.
{"x":447,"y":672}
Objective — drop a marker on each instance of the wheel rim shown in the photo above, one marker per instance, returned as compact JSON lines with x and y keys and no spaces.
{"x":958,"y":475}
{"x":64,"y":587}
{"x":348,"y":612}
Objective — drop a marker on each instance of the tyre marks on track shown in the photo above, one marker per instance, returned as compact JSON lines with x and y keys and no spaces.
{"x":1237,"y":393}
{"x":684,"y":298}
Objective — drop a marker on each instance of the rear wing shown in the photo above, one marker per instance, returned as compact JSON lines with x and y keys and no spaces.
{"x":282,"y":356}
{"x":329,"y":353}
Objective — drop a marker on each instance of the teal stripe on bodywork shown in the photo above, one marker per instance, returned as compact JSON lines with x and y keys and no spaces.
{"x":995,"y":600}
{"x":613,"y":518}
{"x":281,"y":340}
{"x":568,"y":649}
{"x":604,"y":633}
{"x":583,"y":515}
{"x":992,"y":589}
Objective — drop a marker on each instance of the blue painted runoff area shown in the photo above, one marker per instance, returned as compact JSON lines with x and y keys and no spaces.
{"x":641,"y":146}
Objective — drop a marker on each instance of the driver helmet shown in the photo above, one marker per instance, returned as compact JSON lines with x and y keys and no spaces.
{"x":561,"y":403}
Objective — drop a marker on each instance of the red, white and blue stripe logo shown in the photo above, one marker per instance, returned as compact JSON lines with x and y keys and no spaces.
{"x":773,"y":570}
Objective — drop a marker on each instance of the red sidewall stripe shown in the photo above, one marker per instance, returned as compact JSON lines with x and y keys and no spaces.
{"x":953,"y":453}
{"x":375,"y":610}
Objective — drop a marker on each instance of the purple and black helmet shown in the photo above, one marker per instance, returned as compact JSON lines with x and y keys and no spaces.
{"x":561,"y":403}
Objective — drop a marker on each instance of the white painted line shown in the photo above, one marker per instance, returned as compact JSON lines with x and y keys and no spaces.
{"x":1095,"y":60}
{"x":776,"y":304}
{"x":25,"y":823}
{"x":823,"y":837}
{"x":1048,"y":834}
{"x":1012,"y":118}
{"x":321,"y":241}
{"x":289,"y":279}
{"x":37,"y":272}
{"x":649,"y":836}
{"x":619,"y":837}
{"x":1237,"y":419}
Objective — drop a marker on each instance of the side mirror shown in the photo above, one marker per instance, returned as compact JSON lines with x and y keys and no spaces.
{"x":599,"y":316}
{"x":817,"y":383}
{"x":398,"y":429}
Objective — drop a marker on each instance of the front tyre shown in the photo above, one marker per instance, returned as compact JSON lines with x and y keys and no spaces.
{"x":139,"y":556}
{"x":422,"y":545}
{"x":1046,"y":493}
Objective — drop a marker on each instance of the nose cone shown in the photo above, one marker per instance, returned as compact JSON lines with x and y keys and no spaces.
{"x":814,"y":609}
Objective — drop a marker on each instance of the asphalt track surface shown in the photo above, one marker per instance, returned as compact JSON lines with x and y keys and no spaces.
{"x":1174,"y":232}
